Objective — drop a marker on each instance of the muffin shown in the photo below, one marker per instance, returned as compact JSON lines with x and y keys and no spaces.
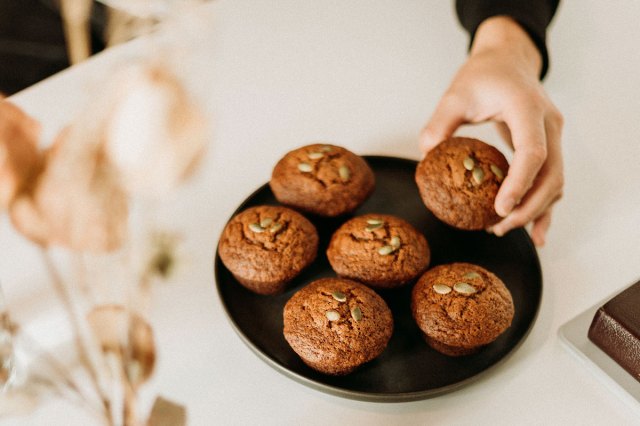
{"x":325,"y":180}
{"x":265,"y":247}
{"x":378,"y":250}
{"x":336,"y":325}
{"x":458,"y":181}
{"x":461,"y":307}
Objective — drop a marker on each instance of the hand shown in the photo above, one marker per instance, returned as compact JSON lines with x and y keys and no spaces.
{"x":499,"y":82}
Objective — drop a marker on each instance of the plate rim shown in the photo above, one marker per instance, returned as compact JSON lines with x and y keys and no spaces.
{"x":394,"y":397}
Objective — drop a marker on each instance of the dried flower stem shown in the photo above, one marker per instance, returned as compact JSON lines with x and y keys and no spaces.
{"x":123,"y":412}
{"x":130,"y":413}
{"x":75,"y":14}
{"x":76,"y":398}
{"x":116,"y":391}
{"x":81,"y":345}
{"x":81,"y":276}
{"x":57,"y":369}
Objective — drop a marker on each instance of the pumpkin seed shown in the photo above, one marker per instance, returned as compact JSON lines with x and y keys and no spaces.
{"x":345,"y":173}
{"x":266,"y":222}
{"x":332,"y":315}
{"x":464,"y":288}
{"x":255,"y":227}
{"x":374,"y":224}
{"x":468,"y":163}
{"x":339,"y":296}
{"x":356,"y":313}
{"x":442,"y":288}
{"x":497,"y":171}
{"x":305,"y":167}
{"x":478,"y":175}
{"x":275,"y":227}
{"x":385,"y":250}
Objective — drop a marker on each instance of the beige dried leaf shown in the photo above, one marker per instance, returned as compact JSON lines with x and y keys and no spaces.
{"x":128,"y":335}
{"x":19,"y":156}
{"x":154,"y":135}
{"x":76,"y":201}
{"x":167,"y":413}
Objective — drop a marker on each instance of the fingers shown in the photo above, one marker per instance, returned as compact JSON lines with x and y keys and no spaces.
{"x":534,"y":206}
{"x":448,"y":116}
{"x":547,"y":189}
{"x":540,"y":228}
{"x":530,"y":153}
{"x":504,"y":132}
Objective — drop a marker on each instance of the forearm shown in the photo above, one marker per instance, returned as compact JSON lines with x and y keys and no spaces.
{"x":533,"y":17}
{"x":503,"y":35}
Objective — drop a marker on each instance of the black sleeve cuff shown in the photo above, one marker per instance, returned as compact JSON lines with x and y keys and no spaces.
{"x":533,"y":16}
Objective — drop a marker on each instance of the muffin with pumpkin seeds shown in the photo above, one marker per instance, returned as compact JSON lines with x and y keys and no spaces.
{"x":461,"y":307}
{"x":336,"y":325}
{"x":381,"y":251}
{"x":458,"y":181}
{"x":265,"y":247}
{"x":326,"y":180}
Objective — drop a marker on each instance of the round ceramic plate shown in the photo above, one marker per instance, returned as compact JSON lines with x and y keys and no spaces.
{"x":408,"y":369}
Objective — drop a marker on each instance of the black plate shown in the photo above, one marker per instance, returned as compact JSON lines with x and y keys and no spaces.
{"x":408,"y":369}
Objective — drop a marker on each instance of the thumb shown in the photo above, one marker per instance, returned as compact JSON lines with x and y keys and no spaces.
{"x":447,"y":117}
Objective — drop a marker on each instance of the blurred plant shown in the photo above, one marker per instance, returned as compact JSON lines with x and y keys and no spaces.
{"x":7,"y":329}
{"x":140,"y":139}
{"x":75,"y":20}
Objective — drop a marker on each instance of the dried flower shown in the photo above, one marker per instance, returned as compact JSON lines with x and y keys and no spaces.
{"x":127,"y":335}
{"x":163,"y":258}
{"x":154,"y":135}
{"x":6,"y":350}
{"x":19,"y":157}
{"x":75,"y":201}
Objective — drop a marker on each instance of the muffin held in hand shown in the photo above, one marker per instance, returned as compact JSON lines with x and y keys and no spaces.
{"x":458,"y":181}
{"x":461,"y":307}
{"x":336,"y":325}
{"x":379,"y":250}
{"x":265,"y":247}
{"x":325,"y":180}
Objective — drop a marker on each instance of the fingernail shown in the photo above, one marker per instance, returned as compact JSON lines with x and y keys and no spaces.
{"x":506,"y":207}
{"x":498,"y":232}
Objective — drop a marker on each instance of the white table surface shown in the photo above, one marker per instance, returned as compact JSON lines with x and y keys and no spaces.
{"x":366,"y":75}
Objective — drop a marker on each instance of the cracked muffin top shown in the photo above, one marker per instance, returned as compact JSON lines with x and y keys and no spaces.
{"x":461,"y":306}
{"x":458,"y":181}
{"x":322,"y":179}
{"x":382,"y":251}
{"x":335,"y":325}
{"x":265,"y":247}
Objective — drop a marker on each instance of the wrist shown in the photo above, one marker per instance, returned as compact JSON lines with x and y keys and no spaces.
{"x":503,"y":35}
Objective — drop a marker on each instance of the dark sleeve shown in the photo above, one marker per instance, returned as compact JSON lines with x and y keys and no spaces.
{"x":533,"y":15}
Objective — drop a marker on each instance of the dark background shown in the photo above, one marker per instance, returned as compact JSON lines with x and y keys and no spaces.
{"x":32,"y":45}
